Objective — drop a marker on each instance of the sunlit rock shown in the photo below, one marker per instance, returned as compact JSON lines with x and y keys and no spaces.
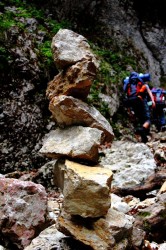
{"x":118,"y":204}
{"x":162,"y":189}
{"x":86,"y":189}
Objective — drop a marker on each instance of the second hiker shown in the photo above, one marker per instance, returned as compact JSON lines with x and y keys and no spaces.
{"x":136,"y":91}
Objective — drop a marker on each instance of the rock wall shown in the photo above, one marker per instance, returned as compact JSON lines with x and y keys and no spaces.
{"x":24,"y":108}
{"x":136,"y":27}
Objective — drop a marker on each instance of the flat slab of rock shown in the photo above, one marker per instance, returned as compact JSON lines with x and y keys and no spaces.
{"x":75,"y":142}
{"x":86,"y":189}
{"x":67,"y":111}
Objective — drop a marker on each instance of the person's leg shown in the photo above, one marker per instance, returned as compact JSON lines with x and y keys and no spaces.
{"x":147,"y":123}
{"x":162,"y":120}
{"x":155,"y":117}
{"x":146,"y":126}
{"x":144,"y":116}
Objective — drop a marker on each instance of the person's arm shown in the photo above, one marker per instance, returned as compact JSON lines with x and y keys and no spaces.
{"x":151,"y":96}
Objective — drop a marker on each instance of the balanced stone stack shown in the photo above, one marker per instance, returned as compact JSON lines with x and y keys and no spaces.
{"x":81,"y":129}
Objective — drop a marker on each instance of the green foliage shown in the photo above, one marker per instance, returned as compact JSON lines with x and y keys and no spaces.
{"x":95,"y":100}
{"x":55,"y":26}
{"x":46,"y":53}
{"x":104,"y":109}
{"x":6,"y":21}
{"x":36,"y":13}
{"x":45,"y":48}
{"x":15,"y":2}
{"x":112,"y":66}
{"x":9,"y":19}
{"x":144,"y":214}
{"x":105,"y":72}
{"x":110,"y":75}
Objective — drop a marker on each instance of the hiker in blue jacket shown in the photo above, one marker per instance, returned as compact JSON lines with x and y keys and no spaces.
{"x":136,"y":92}
{"x":158,"y":114}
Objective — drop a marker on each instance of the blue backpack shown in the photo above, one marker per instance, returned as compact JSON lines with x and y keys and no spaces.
{"x":141,"y":77}
{"x":132,"y":84}
{"x":159,"y":95}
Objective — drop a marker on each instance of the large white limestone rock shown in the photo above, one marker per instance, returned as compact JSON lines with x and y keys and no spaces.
{"x":130,"y":162}
{"x":69,"y":47}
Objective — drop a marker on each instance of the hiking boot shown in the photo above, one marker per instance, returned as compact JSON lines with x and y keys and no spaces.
{"x":144,"y":138}
{"x":143,"y":133}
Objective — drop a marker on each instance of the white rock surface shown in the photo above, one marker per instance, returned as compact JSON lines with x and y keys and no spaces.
{"x":130,"y":162}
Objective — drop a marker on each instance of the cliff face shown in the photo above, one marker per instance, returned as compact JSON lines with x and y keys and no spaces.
{"x":138,"y":27}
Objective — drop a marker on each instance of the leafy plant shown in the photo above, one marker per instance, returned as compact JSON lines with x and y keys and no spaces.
{"x":6,"y":21}
{"x":55,"y":26}
{"x":46,"y":53}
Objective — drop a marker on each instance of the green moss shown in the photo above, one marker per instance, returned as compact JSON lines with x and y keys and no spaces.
{"x":6,"y":21}
{"x":45,"y":54}
{"x":144,"y":214}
